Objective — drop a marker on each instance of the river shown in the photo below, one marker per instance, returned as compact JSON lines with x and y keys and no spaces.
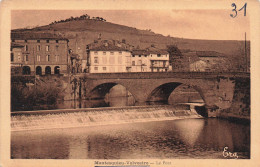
{"x":186,"y":138}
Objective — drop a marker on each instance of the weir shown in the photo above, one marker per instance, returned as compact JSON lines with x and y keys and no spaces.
{"x":48,"y":119}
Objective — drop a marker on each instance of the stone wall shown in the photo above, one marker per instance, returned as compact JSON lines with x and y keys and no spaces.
{"x":240,"y":107}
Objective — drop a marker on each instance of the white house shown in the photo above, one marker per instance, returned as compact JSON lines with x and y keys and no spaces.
{"x":150,"y":60}
{"x":108,"y":57}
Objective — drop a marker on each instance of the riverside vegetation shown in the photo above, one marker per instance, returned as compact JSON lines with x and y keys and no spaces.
{"x":27,"y":95}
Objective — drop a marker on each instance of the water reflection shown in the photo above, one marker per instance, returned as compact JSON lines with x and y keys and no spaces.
{"x":190,"y":138}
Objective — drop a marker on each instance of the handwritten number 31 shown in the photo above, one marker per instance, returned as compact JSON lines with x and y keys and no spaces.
{"x":235,"y":10}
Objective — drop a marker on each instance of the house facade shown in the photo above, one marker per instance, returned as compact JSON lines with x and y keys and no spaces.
{"x":16,"y":58}
{"x":150,"y":60}
{"x":39,"y":54}
{"x":107,"y":57}
{"x":115,"y":57}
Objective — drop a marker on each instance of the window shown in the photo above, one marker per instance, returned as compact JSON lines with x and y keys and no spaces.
{"x":112,"y":60}
{"x":140,"y":55}
{"x":57,"y":47}
{"x":120,"y":53}
{"x":19,"y":58}
{"x":38,"y":47}
{"x":112,"y":53}
{"x":120,"y":59}
{"x":47,"y":48}
{"x":13,"y":40}
{"x":26,"y":58}
{"x":164,"y":63}
{"x":25,"y":40}
{"x":104,"y":53}
{"x":95,"y":53}
{"x":96,"y":68}
{"x":95,"y":59}
{"x":38,"y":41}
{"x":48,"y":57}
{"x":104,"y":68}
{"x":104,"y":59}
{"x":133,"y":63}
{"x":12,"y":56}
{"x":139,"y":62}
{"x":38,"y":58}
{"x":57,"y":58}
{"x":133,"y":55}
{"x":158,"y":55}
{"x":47,"y":41}
{"x":26,"y":48}
{"x":145,"y":55}
{"x":57,"y":41}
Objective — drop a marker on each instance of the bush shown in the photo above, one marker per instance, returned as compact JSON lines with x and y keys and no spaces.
{"x":26,"y":96}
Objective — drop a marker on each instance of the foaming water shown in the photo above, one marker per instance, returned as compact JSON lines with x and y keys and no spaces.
{"x":99,"y":117}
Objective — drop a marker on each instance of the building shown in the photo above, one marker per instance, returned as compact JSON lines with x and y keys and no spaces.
{"x":39,"y":53}
{"x":205,"y":61}
{"x":150,"y":60}
{"x":217,"y":61}
{"x":16,"y":59}
{"x":140,"y":61}
{"x":199,"y":66}
{"x":107,"y":56}
{"x":111,"y":56}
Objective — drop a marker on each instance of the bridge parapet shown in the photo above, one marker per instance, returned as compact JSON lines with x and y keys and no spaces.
{"x":154,"y":75}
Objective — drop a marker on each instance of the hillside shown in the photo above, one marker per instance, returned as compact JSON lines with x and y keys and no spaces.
{"x":82,"y":32}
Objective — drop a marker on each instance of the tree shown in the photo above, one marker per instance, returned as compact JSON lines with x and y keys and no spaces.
{"x":176,"y":58}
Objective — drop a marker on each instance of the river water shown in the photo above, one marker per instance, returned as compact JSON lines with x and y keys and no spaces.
{"x":186,"y":138}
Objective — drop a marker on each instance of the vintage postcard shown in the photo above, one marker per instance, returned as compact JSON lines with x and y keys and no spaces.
{"x":123,"y":83}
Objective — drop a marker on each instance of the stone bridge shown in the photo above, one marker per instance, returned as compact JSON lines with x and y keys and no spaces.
{"x":216,"y":89}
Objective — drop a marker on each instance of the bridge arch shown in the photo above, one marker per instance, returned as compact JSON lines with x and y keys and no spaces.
{"x":162,"y":92}
{"x":101,"y":90}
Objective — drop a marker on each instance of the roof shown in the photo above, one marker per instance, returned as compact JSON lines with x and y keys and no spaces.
{"x":154,"y":50}
{"x":14,"y":45}
{"x":108,"y":45}
{"x":36,"y":36}
{"x":140,"y":52}
{"x":209,"y":54}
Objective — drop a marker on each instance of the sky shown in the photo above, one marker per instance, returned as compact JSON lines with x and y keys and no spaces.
{"x":192,"y":24}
